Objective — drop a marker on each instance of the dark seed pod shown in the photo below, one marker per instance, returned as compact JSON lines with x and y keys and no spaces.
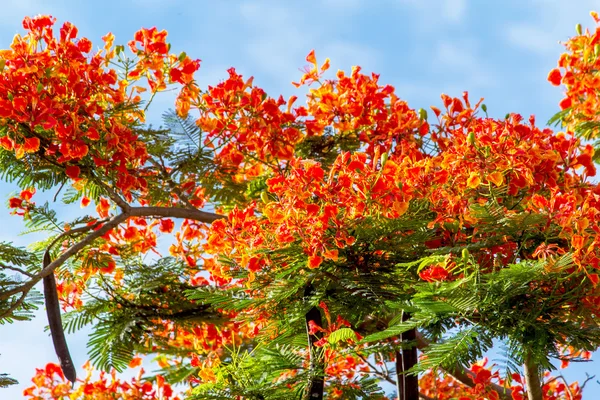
{"x":55,"y":323}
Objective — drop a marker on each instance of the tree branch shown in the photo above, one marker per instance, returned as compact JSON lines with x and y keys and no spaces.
{"x":175,"y":212}
{"x":164,"y":212}
{"x":316,"y":386}
{"x":408,"y":384}
{"x":19,"y":270}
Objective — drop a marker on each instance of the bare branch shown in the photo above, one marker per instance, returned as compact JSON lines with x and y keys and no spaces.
{"x":172,"y":185}
{"x":175,"y":212}
{"x":123,"y":205}
{"x":587,"y":379}
{"x":19,"y":270}
{"x":376,"y":372}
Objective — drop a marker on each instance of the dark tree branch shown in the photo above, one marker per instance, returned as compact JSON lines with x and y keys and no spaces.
{"x":316,"y":386}
{"x":408,"y":384}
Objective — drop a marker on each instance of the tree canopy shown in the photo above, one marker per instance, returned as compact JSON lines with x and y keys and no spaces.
{"x":342,"y":246}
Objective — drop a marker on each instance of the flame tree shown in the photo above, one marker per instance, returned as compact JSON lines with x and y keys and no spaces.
{"x":354,"y":241}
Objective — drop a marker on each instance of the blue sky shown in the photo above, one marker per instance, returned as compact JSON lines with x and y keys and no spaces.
{"x":500,"y":50}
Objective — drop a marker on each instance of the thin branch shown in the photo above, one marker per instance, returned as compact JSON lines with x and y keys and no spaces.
{"x":112,"y":223}
{"x":172,"y":185}
{"x":175,"y":212}
{"x":587,"y":379}
{"x":376,"y":372}
{"x":19,"y":270}
{"x":571,"y":397}
{"x":114,"y":196}
{"x":58,"y":192}
{"x":14,"y":306}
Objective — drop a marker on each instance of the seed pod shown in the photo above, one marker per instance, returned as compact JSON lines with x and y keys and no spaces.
{"x":384,"y":158}
{"x":264,"y":196}
{"x":471,"y":138}
{"x":465,"y":255}
{"x":55,"y":323}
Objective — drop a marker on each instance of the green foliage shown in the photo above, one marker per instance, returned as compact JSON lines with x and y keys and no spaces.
{"x":16,"y":264}
{"x":124,"y":323}
{"x":6,"y":381}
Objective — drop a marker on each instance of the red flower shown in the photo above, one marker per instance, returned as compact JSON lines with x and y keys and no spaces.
{"x":555,"y":77}
{"x":434,"y":274}
{"x":166,"y":225}
{"x":73,"y":172}
{"x":565,"y":103}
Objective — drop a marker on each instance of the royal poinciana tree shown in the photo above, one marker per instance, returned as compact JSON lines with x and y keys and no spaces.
{"x":357,"y":246}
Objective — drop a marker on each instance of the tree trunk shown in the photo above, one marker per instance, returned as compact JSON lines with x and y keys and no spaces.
{"x":316,"y":386}
{"x":532,"y":378}
{"x":407,"y":385}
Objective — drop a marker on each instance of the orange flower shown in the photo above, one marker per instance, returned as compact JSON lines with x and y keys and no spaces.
{"x":85,"y":201}
{"x":31,"y":145}
{"x":496,"y":178}
{"x":434,"y":273}
{"x":474,"y":180}
{"x":314,"y":261}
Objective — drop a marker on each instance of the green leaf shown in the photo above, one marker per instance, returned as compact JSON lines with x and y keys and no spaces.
{"x":340,"y":335}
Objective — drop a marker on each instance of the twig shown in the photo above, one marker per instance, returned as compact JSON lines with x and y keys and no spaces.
{"x":588,"y":378}
{"x":567,"y":386}
{"x":123,"y":205}
{"x":380,"y":374}
{"x":19,"y":270}
{"x":172,"y":185}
